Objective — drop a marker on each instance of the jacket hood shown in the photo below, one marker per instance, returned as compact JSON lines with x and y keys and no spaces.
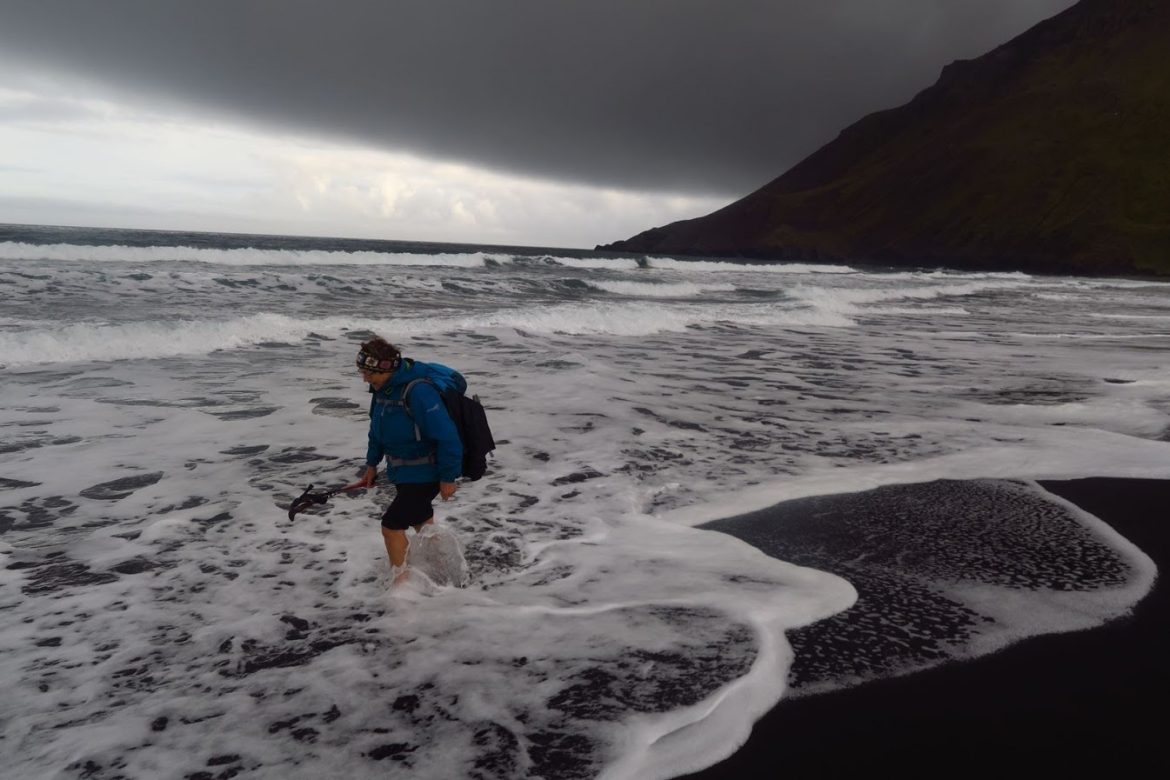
{"x":407,"y":372}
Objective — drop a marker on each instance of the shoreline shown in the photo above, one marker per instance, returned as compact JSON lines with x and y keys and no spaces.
{"x":1077,"y":701}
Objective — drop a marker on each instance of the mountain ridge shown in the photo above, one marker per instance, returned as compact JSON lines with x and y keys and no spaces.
{"x":1049,"y":153}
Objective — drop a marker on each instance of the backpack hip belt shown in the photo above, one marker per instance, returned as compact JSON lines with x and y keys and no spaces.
{"x":423,"y":461}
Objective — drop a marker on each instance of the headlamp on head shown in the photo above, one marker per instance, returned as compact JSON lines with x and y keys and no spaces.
{"x":367,"y":362}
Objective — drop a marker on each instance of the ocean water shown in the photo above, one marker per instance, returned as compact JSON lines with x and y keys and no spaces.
{"x":164,"y":396}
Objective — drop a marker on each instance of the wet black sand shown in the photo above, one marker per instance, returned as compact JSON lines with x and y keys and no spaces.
{"x":1088,"y":701}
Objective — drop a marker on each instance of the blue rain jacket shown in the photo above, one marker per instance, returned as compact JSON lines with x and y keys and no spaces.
{"x":392,"y":431}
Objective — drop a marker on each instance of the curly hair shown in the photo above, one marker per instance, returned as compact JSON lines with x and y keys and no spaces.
{"x":381,"y":349}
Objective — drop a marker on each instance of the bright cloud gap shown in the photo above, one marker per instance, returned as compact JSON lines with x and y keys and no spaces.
{"x":94,"y":162}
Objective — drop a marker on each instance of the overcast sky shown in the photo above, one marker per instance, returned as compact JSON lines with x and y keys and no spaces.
{"x":552,"y":122}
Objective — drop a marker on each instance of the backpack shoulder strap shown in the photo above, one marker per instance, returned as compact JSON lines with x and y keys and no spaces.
{"x":406,"y":404}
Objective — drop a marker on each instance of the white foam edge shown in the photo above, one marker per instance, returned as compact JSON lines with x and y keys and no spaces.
{"x":595,"y":263}
{"x":674,"y":264}
{"x":701,"y":735}
{"x":1079,"y":610}
{"x":665,"y":745}
{"x":1112,"y":455}
{"x":1089,"y":336}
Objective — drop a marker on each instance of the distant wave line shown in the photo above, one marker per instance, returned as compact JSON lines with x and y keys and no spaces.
{"x":168,"y":338}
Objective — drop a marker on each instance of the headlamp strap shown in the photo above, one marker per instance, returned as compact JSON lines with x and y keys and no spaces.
{"x":370,"y":363}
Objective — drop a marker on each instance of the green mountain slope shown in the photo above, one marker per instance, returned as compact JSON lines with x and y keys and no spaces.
{"x":1050,"y":153}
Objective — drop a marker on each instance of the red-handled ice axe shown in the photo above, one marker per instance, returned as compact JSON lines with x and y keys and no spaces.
{"x":309,"y":498}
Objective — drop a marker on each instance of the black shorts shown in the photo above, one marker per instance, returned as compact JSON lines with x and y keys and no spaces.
{"x":411,"y":506}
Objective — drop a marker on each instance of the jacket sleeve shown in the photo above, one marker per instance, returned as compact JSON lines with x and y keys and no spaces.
{"x":374,"y":450}
{"x":435,"y":424}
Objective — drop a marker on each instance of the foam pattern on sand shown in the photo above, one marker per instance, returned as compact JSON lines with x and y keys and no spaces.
{"x":943,"y":570}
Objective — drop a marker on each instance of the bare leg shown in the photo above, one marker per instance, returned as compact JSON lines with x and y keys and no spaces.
{"x":396,"y":546}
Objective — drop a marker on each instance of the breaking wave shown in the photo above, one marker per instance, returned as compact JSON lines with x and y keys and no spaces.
{"x":669,"y":263}
{"x":660,"y":290}
{"x":239,"y":257}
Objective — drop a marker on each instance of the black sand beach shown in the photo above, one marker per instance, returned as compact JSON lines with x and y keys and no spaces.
{"x":1087,"y":701}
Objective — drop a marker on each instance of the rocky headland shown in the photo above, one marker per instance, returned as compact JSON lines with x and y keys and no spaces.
{"x":1050,"y":153}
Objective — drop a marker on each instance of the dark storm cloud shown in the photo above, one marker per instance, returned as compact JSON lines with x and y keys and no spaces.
{"x":717,"y":96}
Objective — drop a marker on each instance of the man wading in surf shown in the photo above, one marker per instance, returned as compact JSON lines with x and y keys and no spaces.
{"x":420,"y":443}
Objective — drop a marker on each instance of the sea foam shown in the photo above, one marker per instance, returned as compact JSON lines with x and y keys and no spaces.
{"x":160,"y":614}
{"x":673,"y":264}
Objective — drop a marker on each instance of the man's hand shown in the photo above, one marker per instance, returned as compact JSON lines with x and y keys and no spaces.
{"x":447,"y":489}
{"x":368,"y":478}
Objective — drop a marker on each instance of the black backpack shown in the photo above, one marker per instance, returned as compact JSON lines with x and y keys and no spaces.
{"x":467,"y":413}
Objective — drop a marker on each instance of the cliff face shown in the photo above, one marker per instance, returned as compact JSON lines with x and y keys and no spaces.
{"x":1049,"y":153}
